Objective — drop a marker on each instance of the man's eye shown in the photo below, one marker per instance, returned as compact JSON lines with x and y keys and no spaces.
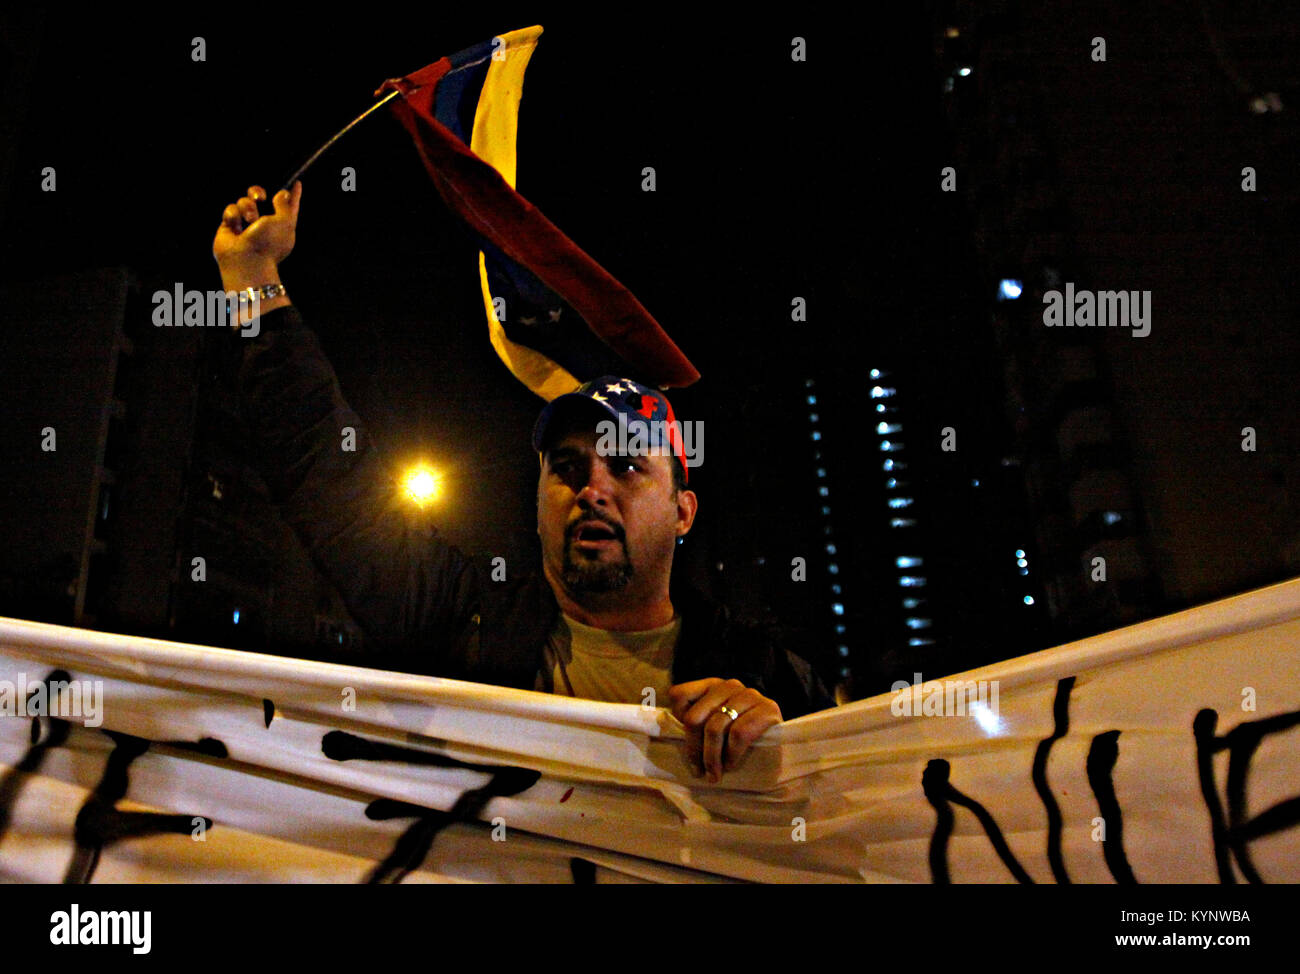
{"x":624,"y":465}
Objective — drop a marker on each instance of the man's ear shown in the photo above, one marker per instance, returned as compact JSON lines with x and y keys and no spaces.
{"x":687,"y":505}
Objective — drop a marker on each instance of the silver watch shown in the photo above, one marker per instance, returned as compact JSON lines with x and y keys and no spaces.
{"x":263,"y":293}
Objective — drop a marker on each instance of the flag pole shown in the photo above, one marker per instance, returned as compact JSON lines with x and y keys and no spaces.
{"x":288,"y":185}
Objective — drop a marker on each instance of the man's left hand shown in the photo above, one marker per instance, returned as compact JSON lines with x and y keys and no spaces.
{"x":723,"y":718}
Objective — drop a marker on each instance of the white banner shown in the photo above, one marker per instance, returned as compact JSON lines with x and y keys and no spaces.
{"x":1165,"y":752}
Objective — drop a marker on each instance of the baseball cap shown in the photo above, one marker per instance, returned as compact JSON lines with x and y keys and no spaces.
{"x":644,"y":412}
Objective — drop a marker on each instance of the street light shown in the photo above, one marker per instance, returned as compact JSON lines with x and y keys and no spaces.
{"x":423,"y":486}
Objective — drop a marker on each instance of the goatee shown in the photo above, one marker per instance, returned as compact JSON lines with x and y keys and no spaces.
{"x":594,"y":577}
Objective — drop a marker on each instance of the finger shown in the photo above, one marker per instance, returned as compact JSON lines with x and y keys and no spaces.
{"x":683,"y":695}
{"x":747,"y":729}
{"x":732,"y":710}
{"x":231,"y":218}
{"x":247,"y":209}
{"x":286,"y":202}
{"x":257,"y":193}
{"x":713,"y":699}
{"x":695,"y":750}
{"x":715,"y":738}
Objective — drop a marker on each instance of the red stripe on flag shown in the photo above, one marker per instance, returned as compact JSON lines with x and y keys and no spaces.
{"x":487,"y":203}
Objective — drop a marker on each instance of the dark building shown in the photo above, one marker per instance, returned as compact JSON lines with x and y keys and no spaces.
{"x":1141,"y":149}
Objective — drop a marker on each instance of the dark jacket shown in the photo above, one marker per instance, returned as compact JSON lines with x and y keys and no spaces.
{"x":424,"y":606}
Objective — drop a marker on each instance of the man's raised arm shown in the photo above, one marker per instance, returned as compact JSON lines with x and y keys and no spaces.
{"x":412,"y":593}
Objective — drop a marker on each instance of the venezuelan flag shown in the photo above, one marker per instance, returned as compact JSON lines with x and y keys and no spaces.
{"x":555,"y":317}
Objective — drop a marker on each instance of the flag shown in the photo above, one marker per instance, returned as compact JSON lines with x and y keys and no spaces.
{"x":555,"y":317}
{"x":1165,"y":752}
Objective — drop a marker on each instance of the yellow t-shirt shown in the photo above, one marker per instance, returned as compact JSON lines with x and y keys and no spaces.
{"x":617,"y":667}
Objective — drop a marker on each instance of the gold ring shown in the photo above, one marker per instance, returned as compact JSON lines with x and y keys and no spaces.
{"x":729,"y":711}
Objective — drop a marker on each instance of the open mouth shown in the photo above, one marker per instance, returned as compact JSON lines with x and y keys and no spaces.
{"x":592,"y":534}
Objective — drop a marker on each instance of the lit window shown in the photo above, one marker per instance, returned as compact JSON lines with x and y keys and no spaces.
{"x":813,"y":417}
{"x":1112,"y":517}
{"x":911,"y":581}
{"x":902,"y":522}
{"x":1020,"y":552}
{"x":824,"y":491}
{"x":897,"y":502}
{"x":234,"y":617}
{"x":821,"y":471}
{"x":816,"y":435}
{"x":1022,"y":562}
{"x":883,"y":428}
{"x":918,"y":641}
{"x":837,"y":608}
{"x":875,"y":373}
{"x":833,"y":568}
{"x":908,"y":562}
{"x":812,"y":400}
{"x":918,"y":623}
{"x":910,"y":603}
{"x":835,"y":590}
{"x":839,"y":630}
{"x":889,"y":464}
{"x":826,"y":511}
{"x":830,"y":549}
{"x":1009,"y":289}
{"x":1029,"y":600}
{"x":882,"y":392}
{"x":844,"y":650}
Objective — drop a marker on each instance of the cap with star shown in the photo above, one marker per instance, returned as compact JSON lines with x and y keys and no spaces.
{"x":646,"y":412}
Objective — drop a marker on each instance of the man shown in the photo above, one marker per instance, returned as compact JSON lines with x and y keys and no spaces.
{"x":598,"y":622}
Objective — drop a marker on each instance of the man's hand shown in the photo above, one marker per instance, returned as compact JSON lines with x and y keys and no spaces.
{"x":249,"y":246}
{"x":715,"y":740}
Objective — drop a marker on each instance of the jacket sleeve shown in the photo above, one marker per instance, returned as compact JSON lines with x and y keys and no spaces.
{"x":410,"y":591}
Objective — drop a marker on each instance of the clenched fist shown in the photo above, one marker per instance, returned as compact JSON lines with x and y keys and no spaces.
{"x":249,"y":245}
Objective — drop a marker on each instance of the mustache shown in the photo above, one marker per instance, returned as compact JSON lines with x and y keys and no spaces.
{"x":617,"y":529}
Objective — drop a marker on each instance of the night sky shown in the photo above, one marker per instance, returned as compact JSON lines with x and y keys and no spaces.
{"x":775,"y":179}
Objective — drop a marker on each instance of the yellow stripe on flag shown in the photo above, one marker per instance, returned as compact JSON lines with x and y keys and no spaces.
{"x":496,"y":125}
{"x":535,"y":370}
{"x":496,"y":120}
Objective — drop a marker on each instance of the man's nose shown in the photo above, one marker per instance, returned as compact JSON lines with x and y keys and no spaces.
{"x":598,"y":487}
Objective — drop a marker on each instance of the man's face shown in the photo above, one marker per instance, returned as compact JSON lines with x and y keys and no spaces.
{"x":609,"y":524}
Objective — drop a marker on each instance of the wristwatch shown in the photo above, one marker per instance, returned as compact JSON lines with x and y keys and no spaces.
{"x":249,"y":294}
